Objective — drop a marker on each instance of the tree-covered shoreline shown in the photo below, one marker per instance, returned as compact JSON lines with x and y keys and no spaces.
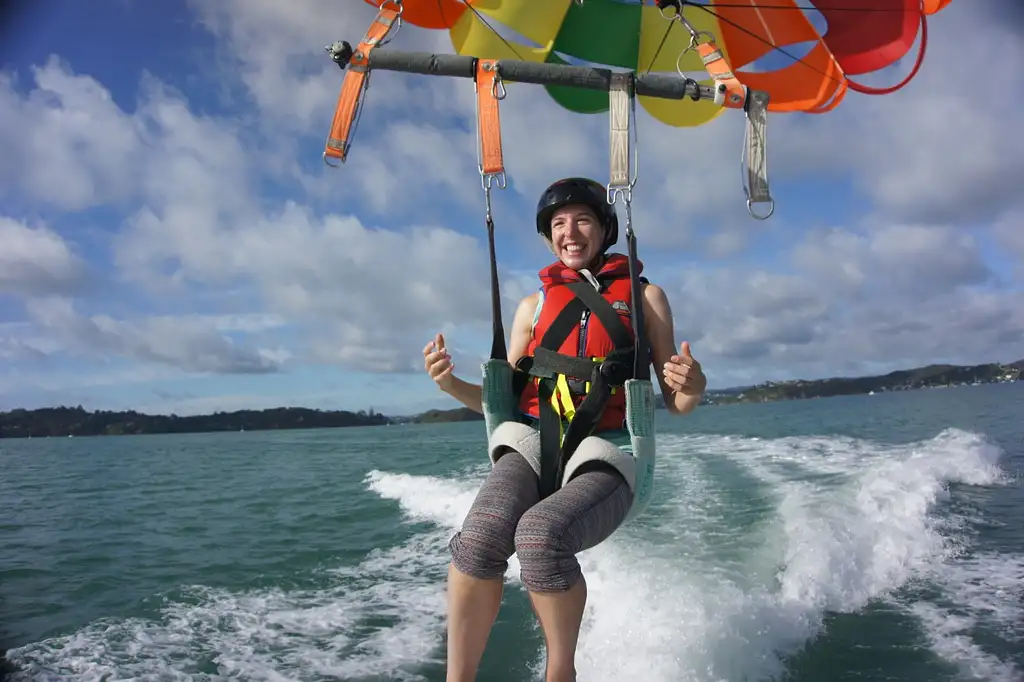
{"x":77,"y":421}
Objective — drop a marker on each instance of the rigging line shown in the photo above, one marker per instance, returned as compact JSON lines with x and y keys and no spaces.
{"x":440,"y":9}
{"x":767,"y":42}
{"x":810,"y":8}
{"x":492,"y":29}
{"x":706,"y":8}
{"x":660,"y":45}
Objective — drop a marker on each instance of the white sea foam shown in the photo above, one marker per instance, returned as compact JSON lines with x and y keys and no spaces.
{"x":749,"y":545}
{"x":852,"y":523}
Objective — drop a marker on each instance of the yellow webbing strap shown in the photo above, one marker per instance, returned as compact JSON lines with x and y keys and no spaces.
{"x":561,"y":400}
{"x":565,"y":408}
{"x":563,"y":395}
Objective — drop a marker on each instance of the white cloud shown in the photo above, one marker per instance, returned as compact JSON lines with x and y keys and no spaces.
{"x":67,"y":142}
{"x":36,"y":260}
{"x":189,"y":343}
{"x":358,"y":267}
{"x":276,"y":50}
{"x":894,"y":297}
{"x":935,"y":151}
{"x":893,"y":260}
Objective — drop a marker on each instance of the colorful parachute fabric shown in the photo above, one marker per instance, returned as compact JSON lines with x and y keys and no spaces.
{"x":862,"y":36}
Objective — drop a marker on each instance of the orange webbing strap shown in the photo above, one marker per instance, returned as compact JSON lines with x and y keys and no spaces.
{"x":488,"y":83}
{"x":354,"y":85}
{"x":489,"y":89}
{"x":729,"y":92}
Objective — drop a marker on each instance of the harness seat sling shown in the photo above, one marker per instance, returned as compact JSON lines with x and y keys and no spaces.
{"x":554,"y":452}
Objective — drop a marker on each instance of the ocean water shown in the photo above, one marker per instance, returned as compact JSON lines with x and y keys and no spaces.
{"x":863,"y":538}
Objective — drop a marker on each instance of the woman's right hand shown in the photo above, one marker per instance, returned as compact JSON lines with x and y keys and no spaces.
{"x":438,"y":363}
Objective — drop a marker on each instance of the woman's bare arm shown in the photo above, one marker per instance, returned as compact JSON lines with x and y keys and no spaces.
{"x":661,"y":337}
{"x":470,"y":394}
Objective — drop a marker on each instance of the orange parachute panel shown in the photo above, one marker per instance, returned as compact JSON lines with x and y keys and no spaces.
{"x":434,"y":14}
{"x":933,"y":6}
{"x":749,"y":33}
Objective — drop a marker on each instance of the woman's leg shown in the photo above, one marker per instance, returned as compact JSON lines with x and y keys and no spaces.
{"x":480,"y":553}
{"x":580,"y":515}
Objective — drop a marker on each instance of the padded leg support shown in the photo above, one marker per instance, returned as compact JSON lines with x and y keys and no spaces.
{"x":505,"y":433}
{"x":640,"y":424}
{"x":513,"y":436}
{"x":497,"y":397}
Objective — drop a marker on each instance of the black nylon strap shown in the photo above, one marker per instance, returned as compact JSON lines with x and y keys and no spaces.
{"x":588,"y":415}
{"x":498,"y":348}
{"x":603,"y":310}
{"x":564,"y":323}
{"x":546,"y":362}
{"x":550,"y":448}
{"x":555,"y":456}
{"x":521,"y":375}
{"x":642,"y":358}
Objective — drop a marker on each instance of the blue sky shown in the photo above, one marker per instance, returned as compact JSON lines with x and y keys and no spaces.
{"x":170,"y":239}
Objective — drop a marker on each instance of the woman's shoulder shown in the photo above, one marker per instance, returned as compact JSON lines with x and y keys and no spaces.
{"x":529,"y":302}
{"x":529,"y":307}
{"x":652,"y":289}
{"x":655,"y":297}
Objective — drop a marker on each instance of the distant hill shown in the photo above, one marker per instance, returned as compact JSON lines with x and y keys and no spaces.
{"x":459,"y":414}
{"x":929,"y":376}
{"x":76,"y":421}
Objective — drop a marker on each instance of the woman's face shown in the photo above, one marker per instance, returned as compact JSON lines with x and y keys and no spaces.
{"x":576,"y":236}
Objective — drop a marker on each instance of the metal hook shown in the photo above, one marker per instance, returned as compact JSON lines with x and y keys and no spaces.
{"x":492,"y":179}
{"x":666,"y":4}
{"x":756,"y":216}
{"x":498,"y":88}
{"x":398,"y":21}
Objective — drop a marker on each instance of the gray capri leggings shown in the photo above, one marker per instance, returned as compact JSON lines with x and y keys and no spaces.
{"x":508,"y":516}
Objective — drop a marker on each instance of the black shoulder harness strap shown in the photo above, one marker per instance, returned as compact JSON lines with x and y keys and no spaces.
{"x":547,"y":364}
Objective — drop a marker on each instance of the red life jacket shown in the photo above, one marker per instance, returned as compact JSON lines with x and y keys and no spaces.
{"x":598,"y":342}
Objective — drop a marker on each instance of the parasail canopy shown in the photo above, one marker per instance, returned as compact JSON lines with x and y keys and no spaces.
{"x":655,"y":36}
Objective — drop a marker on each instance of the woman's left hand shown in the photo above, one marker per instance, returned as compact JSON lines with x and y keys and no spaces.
{"x":683,"y":373}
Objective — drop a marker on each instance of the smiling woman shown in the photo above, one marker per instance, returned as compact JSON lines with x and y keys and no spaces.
{"x":560,"y":483}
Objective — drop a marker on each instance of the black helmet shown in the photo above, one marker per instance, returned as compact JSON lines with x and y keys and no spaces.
{"x":578,"y":191}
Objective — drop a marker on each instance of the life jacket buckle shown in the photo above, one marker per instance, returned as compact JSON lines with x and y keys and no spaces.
{"x":615,"y":372}
{"x":577,"y":386}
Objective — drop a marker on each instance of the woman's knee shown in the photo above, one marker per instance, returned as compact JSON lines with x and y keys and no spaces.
{"x":547,"y":562}
{"x":582,"y":514}
{"x":487,"y":539}
{"x":480,"y":554}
